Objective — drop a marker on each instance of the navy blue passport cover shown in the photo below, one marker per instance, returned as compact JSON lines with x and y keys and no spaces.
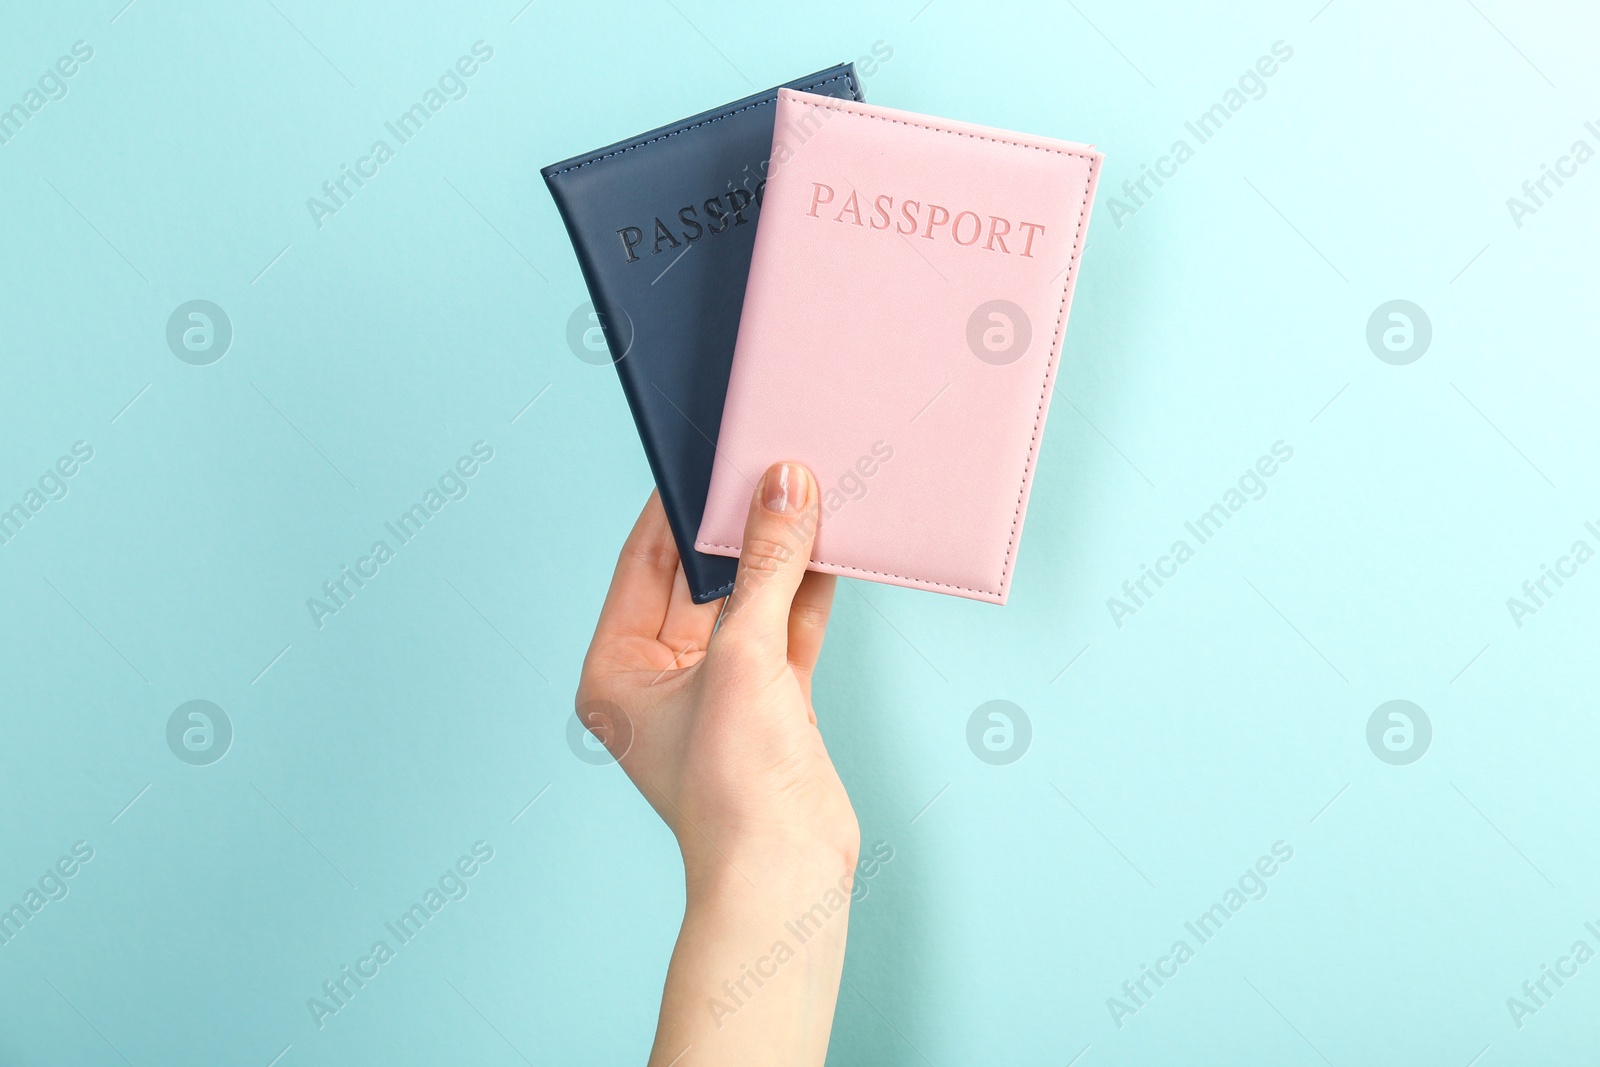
{"x":664,"y":225}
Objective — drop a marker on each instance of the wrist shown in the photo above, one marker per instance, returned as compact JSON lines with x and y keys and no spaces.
{"x":757,"y":966}
{"x":771,"y":874}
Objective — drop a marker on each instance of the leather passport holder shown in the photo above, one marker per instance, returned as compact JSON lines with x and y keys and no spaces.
{"x":901,"y":330}
{"x":663,"y":225}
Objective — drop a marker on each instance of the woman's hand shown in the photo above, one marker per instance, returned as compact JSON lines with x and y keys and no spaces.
{"x":714,"y":725}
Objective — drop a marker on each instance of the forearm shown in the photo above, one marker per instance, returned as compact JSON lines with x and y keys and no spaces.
{"x":755,"y":973}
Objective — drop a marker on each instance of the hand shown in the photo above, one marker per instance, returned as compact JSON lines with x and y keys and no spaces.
{"x":714,"y":725}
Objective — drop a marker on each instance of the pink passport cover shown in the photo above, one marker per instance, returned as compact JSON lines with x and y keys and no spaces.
{"x":900,"y":335}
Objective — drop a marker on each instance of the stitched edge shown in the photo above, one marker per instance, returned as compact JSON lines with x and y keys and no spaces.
{"x":855,"y":93}
{"x":868,"y":570}
{"x":1050,"y":366}
{"x":719,"y":591}
{"x":941,"y":129}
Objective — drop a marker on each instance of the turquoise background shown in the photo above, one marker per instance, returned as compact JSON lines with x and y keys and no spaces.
{"x":1227,"y":313}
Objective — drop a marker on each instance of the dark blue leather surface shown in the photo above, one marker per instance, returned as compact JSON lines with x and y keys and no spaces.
{"x":664,"y":225}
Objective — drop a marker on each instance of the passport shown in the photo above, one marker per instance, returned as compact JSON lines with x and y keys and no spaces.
{"x":664,"y":225}
{"x":902,"y":325}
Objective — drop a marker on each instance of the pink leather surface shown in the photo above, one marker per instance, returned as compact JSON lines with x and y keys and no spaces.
{"x":853,"y":354}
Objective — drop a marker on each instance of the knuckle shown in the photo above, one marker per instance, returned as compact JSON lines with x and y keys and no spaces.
{"x":765,"y":554}
{"x":659,"y":556}
{"x":809,"y":616}
{"x":851,"y":844}
{"x":754,"y":570}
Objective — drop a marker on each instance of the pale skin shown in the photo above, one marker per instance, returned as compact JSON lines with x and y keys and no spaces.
{"x":714,"y":725}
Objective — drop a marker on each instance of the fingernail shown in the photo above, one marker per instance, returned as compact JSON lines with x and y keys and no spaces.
{"x":785,"y":489}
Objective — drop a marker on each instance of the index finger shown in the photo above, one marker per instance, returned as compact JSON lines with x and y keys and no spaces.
{"x":641,"y":586}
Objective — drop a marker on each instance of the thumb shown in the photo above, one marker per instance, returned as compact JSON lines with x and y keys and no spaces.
{"x":777,"y":547}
